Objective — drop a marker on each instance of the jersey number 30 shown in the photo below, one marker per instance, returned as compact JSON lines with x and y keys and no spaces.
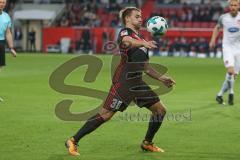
{"x":116,"y":104}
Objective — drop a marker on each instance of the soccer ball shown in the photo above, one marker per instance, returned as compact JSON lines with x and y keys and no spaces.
{"x":157,"y":26}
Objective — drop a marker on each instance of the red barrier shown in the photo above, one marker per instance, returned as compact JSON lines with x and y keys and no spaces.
{"x":53,"y":35}
{"x":184,"y":32}
{"x":97,"y":37}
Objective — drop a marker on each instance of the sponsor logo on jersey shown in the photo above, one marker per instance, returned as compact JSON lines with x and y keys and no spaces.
{"x":144,"y":49}
{"x":233,"y":29}
{"x":124,"y":33}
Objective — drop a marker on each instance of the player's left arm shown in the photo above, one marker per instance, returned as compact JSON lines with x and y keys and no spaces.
{"x":9,"y":39}
{"x":215,"y":32}
{"x":168,"y":81}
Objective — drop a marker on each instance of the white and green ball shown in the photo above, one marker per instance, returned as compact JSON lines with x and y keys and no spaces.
{"x":157,"y":26}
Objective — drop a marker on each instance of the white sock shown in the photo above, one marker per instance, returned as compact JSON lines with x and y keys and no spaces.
{"x":225,"y":86}
{"x":231,"y":83}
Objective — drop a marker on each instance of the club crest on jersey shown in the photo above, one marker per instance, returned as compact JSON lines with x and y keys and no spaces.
{"x":144,"y":49}
{"x":124,"y":33}
{"x":233,"y":29}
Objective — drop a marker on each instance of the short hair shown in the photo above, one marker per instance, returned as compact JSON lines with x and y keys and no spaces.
{"x":127,"y":12}
{"x":233,"y":0}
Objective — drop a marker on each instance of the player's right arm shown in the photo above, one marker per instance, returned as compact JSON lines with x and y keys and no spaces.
{"x":126,"y":39}
{"x":215,"y":33}
{"x":168,"y":81}
{"x":9,"y":39}
{"x":138,"y":43}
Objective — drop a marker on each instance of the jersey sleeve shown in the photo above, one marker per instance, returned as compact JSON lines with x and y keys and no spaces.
{"x":9,"y":22}
{"x":220,"y":21}
{"x":124,"y":32}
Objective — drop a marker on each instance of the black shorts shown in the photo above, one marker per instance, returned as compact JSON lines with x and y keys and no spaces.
{"x":2,"y":53}
{"x":122,"y":94}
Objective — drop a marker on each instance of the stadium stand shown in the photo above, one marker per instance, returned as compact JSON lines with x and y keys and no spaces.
{"x":190,"y":23}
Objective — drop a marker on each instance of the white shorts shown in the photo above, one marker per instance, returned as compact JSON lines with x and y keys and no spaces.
{"x":231,"y":57}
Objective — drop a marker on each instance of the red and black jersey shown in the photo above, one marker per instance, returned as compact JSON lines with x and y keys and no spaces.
{"x":134,"y":54}
{"x":127,"y":84}
{"x":132,"y":58}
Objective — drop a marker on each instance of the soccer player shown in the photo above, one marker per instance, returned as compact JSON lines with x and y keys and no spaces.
{"x":129,"y":87}
{"x":230,"y":22}
{"x":5,"y":34}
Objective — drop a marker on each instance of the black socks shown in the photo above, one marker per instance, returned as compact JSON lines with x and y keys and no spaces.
{"x":91,"y":124}
{"x":154,"y":124}
{"x":96,"y":121}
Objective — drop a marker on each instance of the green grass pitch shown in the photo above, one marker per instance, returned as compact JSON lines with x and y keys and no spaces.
{"x":30,"y":130}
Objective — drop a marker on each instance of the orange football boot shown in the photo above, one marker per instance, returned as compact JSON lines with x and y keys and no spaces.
{"x":148,"y":146}
{"x":72,"y":147}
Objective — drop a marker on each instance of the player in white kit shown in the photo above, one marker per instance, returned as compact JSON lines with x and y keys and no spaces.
{"x":230,"y":22}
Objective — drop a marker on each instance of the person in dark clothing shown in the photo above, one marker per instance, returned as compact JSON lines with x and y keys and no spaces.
{"x":127,"y":84}
{"x":32,"y":40}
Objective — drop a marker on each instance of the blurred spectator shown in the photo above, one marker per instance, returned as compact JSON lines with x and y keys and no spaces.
{"x":86,"y":13}
{"x":175,"y":47}
{"x":96,"y":12}
{"x":18,"y":38}
{"x":64,"y":22}
{"x":191,"y":12}
{"x":180,"y":46}
{"x":79,"y":45}
{"x":218,"y":44}
{"x":218,"y":48}
{"x":193,"y":48}
{"x":203,"y":46}
{"x":163,"y":47}
{"x":105,"y":37}
{"x":113,"y":6}
{"x":104,"y":13}
{"x":32,"y":40}
{"x":184,"y":47}
{"x":183,"y":16}
{"x":96,"y":22}
{"x":189,"y":15}
{"x":216,"y":16}
{"x":115,"y":21}
{"x":86,"y":36}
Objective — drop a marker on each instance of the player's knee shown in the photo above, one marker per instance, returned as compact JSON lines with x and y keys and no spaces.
{"x":163,"y":111}
{"x":107,"y":116}
{"x":160,"y":111}
{"x":231,"y":71}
